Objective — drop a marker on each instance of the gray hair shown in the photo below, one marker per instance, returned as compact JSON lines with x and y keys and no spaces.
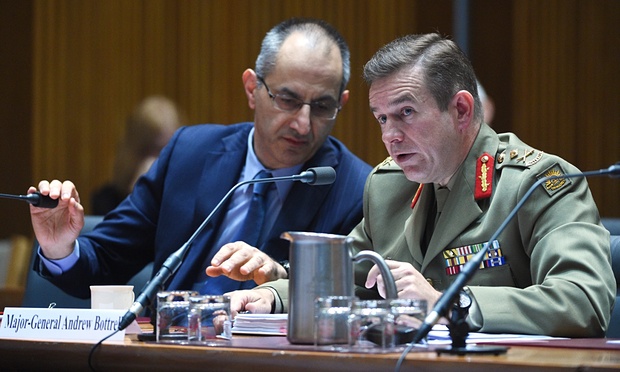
{"x":266,"y":61}
{"x":446,"y":68}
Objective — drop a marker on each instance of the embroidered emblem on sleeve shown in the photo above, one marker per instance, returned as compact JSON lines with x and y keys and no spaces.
{"x":552,"y":186}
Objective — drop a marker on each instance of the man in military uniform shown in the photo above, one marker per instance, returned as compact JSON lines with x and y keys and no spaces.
{"x":449,"y":183}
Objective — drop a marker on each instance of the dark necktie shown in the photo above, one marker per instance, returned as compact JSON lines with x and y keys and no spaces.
{"x":252,"y":226}
{"x":441,"y":194}
{"x":250,"y":232}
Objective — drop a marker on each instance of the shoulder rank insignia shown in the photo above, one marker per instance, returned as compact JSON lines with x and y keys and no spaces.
{"x":519,"y":157}
{"x":385,"y":162}
{"x":554,"y":185}
{"x":484,"y":177}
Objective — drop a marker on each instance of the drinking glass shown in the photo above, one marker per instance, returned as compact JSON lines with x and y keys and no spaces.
{"x":331,"y":320}
{"x":408,"y":317}
{"x":209,"y":320}
{"x":371,"y":326}
{"x":172,"y":313}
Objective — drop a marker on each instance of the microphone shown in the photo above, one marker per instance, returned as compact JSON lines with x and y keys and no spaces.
{"x":36,"y":199}
{"x":470,"y":268}
{"x":313,"y":176}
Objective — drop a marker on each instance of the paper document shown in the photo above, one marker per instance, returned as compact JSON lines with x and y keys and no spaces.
{"x":441,"y":335}
{"x":260,"y":324}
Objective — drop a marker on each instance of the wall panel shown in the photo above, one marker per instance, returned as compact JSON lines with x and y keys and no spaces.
{"x":96,"y":59}
{"x":565,"y":81}
{"x":552,"y":65}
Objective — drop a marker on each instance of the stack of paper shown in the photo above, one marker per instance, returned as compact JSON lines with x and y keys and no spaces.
{"x":260,"y":324}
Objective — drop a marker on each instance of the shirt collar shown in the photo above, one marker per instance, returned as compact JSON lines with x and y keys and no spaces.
{"x":253,"y":166}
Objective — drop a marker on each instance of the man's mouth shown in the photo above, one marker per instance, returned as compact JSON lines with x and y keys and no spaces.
{"x":296,"y":141}
{"x":401,"y":158}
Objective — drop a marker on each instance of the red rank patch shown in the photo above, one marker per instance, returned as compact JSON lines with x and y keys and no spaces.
{"x":484,"y":176}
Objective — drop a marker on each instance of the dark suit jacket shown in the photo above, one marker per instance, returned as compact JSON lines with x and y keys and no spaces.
{"x":194,"y":171}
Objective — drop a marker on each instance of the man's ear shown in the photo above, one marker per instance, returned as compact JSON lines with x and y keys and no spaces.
{"x":344,"y":98}
{"x":249,"y":85}
{"x":463,"y":102}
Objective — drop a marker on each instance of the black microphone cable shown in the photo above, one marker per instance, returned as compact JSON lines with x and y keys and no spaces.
{"x":95,"y":346}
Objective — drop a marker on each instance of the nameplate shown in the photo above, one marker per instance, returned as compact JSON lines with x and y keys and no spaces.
{"x":56,"y":324}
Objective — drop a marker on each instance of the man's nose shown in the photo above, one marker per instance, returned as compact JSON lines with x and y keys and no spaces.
{"x":390,"y":133}
{"x":302,"y":123}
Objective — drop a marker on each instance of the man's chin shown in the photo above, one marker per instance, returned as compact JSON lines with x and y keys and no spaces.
{"x":413,"y":174}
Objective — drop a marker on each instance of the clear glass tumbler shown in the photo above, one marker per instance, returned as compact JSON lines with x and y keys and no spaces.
{"x":172,"y":313}
{"x":209,"y":320}
{"x":371,"y":326}
{"x":331,"y":320}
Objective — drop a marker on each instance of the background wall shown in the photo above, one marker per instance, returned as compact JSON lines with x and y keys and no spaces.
{"x":71,"y":70}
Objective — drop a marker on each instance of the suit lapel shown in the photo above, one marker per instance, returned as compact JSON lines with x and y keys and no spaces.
{"x":461,"y":208}
{"x":459,"y":212}
{"x":220,"y":172}
{"x":415,"y":224}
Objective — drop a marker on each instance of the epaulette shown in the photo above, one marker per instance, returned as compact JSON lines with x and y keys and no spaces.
{"x":518,"y":157}
{"x":388,"y":164}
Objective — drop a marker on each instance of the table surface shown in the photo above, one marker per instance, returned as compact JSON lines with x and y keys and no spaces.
{"x":270,"y":353}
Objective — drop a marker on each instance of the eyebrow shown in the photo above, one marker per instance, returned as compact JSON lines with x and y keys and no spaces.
{"x":403,"y":98}
{"x":289,"y":92}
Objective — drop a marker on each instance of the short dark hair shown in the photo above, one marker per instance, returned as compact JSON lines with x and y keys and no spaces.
{"x":446,"y":68}
{"x":266,"y":61}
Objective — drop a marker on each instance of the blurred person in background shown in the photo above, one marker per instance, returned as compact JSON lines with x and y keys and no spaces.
{"x":149,"y":128}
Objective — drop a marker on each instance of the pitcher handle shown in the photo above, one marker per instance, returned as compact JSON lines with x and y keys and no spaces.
{"x":388,"y":280}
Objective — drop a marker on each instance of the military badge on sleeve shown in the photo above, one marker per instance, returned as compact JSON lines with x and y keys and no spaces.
{"x":556,"y":184}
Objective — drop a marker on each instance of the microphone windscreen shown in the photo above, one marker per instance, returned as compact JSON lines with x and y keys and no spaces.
{"x":42,"y":201}
{"x":614,"y":170}
{"x":323,"y":176}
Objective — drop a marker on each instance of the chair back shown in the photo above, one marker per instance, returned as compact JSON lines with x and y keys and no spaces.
{"x":41,"y":293}
{"x":613,"y":331}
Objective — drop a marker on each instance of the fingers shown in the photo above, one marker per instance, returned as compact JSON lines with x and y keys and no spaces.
{"x":371,"y":279}
{"x":257,"y":301}
{"x":233,"y":255}
{"x":242,"y":257}
{"x":64,"y":191}
{"x":398,"y":270}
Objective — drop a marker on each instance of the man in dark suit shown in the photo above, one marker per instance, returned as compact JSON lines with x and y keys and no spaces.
{"x":296,"y":91}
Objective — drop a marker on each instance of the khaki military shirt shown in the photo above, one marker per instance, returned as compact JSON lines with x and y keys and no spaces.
{"x":550,"y":270}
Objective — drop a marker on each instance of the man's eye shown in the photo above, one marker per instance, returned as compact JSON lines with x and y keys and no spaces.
{"x":407,"y":111}
{"x":288,"y":100}
{"x":382,"y":119}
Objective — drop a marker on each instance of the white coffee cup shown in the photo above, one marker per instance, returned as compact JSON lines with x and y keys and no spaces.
{"x":111,"y":296}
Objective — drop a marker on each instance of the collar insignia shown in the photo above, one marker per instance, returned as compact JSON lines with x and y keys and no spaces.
{"x":484,"y":177}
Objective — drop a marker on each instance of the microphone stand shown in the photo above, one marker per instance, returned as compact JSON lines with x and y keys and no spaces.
{"x":471,"y":267}
{"x":313,"y":176}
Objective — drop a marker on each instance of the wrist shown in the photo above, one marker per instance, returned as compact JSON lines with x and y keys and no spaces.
{"x":286,"y":266}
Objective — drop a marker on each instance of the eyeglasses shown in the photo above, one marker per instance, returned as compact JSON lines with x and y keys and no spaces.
{"x":319,"y":109}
